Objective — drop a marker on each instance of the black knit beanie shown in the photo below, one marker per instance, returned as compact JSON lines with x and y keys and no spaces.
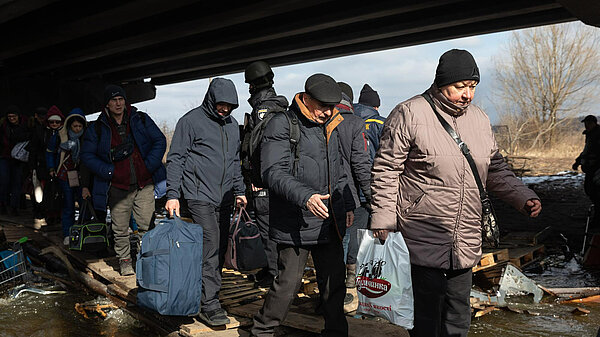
{"x":12,"y":109}
{"x":369,"y":97}
{"x":324,"y":89}
{"x":456,"y":65}
{"x":111,"y":91}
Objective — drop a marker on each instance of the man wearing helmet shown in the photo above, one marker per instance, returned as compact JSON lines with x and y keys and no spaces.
{"x":263,"y":100}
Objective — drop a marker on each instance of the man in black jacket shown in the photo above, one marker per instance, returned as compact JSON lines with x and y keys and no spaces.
{"x":357,"y":164}
{"x":308,"y":211}
{"x":263,"y":100}
{"x":203,"y":167}
{"x":589,"y":160}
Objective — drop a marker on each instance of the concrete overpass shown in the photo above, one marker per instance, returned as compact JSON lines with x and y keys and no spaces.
{"x":65,"y":51}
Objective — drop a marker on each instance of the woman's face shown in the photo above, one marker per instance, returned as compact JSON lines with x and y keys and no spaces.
{"x":13,"y":118}
{"x":76,"y":126}
{"x":54,"y":124}
{"x":460,"y":93}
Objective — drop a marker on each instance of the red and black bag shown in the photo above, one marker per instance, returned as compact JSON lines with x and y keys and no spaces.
{"x":245,"y":251}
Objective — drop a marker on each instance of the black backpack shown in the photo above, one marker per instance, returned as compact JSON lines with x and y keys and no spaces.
{"x":254,"y":141}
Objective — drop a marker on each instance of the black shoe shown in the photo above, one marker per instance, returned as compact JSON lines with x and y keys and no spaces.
{"x":214,"y":317}
{"x":265,"y":282}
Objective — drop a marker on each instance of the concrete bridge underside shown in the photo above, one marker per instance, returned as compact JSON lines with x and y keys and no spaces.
{"x":64,"y":51}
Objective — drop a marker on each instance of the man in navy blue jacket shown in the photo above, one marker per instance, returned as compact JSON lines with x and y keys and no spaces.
{"x":203,"y":167}
{"x":124,"y":150}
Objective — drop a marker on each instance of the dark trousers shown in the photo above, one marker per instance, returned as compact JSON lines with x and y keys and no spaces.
{"x":215,"y":225}
{"x":361,"y":220}
{"x":329,"y":263}
{"x":441,"y":302}
{"x":261,"y":212}
{"x":11,"y":182}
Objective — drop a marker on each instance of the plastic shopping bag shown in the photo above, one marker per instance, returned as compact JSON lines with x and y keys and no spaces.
{"x":383,"y":279}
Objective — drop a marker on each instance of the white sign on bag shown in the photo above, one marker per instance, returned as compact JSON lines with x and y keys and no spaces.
{"x":383,"y":279}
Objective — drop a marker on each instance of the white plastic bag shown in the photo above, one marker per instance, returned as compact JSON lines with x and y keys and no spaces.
{"x":383,"y":279}
{"x":19,"y":151}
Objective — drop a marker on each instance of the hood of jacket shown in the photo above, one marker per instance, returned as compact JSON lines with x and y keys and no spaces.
{"x":364,"y":111}
{"x":54,"y":111}
{"x":76,"y":113}
{"x":268,"y":95}
{"x":220,"y":90}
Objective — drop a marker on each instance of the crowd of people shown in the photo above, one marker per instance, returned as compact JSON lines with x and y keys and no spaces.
{"x":325,"y":168}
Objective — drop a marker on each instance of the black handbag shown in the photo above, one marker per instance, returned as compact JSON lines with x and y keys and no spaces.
{"x":490,"y":232}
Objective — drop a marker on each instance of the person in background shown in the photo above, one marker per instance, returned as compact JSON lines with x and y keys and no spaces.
{"x":424,"y":187}
{"x":40,"y":134}
{"x":357,"y":165}
{"x":263,"y":100}
{"x":13,"y":130}
{"x":367,"y":108}
{"x":65,"y":166}
{"x":124,"y":151}
{"x":203,"y":167}
{"x":308,"y":211}
{"x":589,"y":160}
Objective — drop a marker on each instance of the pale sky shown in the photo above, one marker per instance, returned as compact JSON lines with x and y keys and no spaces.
{"x":396,"y":74}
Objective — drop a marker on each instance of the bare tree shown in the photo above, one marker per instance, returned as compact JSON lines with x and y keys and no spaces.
{"x":546,"y":75}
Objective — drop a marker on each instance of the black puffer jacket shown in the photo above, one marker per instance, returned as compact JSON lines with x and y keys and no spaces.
{"x":355,"y":151}
{"x":204,"y":160}
{"x":319,"y":170}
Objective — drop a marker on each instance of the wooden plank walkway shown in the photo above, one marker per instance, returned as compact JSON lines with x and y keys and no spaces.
{"x":238,"y":295}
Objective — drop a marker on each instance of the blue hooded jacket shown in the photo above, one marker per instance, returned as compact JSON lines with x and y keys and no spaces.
{"x":95,"y":152}
{"x":204,"y":159}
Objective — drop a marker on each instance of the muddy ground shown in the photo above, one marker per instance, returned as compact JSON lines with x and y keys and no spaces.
{"x":564,"y":204}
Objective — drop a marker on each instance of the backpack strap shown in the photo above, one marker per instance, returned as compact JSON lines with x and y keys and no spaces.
{"x":294,"y":137}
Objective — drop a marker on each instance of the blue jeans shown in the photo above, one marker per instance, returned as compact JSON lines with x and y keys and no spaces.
{"x":11,"y":184}
{"x":70,"y":195}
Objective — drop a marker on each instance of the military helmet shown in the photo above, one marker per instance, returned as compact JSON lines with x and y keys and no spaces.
{"x":258,"y":70}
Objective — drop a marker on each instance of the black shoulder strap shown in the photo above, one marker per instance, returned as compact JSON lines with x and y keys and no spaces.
{"x":462,"y":145}
{"x":294,"y":136}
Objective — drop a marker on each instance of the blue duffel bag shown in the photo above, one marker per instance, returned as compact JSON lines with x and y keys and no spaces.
{"x":169,"y":268}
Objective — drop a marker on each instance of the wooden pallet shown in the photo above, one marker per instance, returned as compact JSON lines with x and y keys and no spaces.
{"x":299,"y":319}
{"x":490,"y":258}
{"x":523,"y":256}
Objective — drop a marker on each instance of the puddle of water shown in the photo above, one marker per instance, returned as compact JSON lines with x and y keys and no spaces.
{"x":554,"y":319}
{"x":55,"y":315}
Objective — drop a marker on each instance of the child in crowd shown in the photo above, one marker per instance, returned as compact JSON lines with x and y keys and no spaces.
{"x":65,"y":165}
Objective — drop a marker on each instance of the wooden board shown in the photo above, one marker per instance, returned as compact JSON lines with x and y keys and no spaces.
{"x":523,"y":256}
{"x":313,"y":323}
{"x":197,"y":327}
{"x":491,"y":258}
